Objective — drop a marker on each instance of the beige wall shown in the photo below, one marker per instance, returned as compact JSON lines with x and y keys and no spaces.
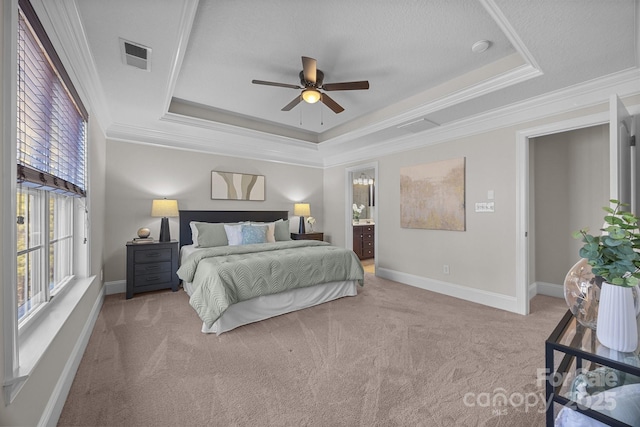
{"x":571,"y":175}
{"x":484,"y":256}
{"x":136,"y":174}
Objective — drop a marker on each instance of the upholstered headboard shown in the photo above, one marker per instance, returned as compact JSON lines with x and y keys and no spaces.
{"x":223,"y":216}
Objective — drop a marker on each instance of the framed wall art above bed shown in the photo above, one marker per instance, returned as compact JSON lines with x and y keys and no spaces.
{"x":237,"y":186}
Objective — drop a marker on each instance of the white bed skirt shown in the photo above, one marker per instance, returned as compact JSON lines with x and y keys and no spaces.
{"x":268,"y":306}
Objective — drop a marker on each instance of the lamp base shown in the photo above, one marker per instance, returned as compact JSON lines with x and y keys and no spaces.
{"x":301,"y":229}
{"x":165,"y":235}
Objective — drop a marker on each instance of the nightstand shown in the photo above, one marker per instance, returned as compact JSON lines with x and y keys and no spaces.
{"x":308,"y":236}
{"x":152,"y":266}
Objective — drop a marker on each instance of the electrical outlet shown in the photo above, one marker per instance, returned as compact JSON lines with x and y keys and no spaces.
{"x":445,"y":269}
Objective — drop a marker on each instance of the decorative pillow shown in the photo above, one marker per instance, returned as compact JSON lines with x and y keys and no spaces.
{"x":194,"y":233}
{"x":281,"y":231}
{"x":208,"y":234}
{"x":254,"y":234}
{"x":271,"y":237}
{"x":234,"y":234}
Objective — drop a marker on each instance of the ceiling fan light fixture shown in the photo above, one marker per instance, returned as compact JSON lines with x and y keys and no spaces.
{"x":311,"y":95}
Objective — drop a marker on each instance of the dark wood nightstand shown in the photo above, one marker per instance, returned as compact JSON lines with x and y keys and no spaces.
{"x":152,"y":266}
{"x":308,"y":236}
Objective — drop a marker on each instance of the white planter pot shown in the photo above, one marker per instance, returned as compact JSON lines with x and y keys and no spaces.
{"x":617,"y":327}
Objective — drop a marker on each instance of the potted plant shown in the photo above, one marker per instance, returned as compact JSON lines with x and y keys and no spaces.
{"x":615,"y":256}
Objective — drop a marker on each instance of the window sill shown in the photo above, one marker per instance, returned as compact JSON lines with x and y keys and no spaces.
{"x":34,"y":342}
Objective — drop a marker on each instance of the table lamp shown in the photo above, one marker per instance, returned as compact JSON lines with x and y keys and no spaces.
{"x":164,"y":208}
{"x":301,"y":210}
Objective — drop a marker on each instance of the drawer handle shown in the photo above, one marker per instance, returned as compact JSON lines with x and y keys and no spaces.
{"x":152,"y":267}
{"x":154,"y":278}
{"x":153,"y":254}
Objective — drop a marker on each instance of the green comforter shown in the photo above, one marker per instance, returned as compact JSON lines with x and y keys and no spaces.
{"x":225,"y":275}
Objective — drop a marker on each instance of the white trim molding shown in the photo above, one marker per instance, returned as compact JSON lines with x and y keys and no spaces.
{"x":52,"y":411}
{"x":115,"y":287}
{"x":548,"y":289}
{"x":478,"y":296}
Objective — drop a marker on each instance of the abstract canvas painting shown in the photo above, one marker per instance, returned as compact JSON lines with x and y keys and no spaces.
{"x":236,"y":186}
{"x":432,"y":195}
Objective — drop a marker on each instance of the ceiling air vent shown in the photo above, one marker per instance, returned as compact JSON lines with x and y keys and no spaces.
{"x":418,"y":125}
{"x":135,"y":55}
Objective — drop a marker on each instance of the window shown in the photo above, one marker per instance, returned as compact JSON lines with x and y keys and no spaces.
{"x":51,"y":168}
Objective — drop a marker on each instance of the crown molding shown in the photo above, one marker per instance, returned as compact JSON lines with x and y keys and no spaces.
{"x":501,"y":20}
{"x":588,"y":94}
{"x":220,"y":144}
{"x":254,"y":145}
{"x":184,"y":32}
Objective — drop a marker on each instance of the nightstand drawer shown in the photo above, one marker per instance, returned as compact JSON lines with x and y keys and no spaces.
{"x":152,"y":279}
{"x":152,"y":267}
{"x":153,"y":255}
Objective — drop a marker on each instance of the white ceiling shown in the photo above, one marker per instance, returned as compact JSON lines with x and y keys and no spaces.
{"x":415,"y":54}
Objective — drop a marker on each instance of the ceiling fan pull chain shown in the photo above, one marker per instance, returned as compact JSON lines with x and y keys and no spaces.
{"x":300,"y":116}
{"x":321,"y":116}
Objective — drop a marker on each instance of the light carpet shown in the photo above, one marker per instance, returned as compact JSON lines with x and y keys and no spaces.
{"x":394,"y":355}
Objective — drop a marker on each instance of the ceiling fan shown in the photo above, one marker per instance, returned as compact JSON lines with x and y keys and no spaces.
{"x":311,"y":80}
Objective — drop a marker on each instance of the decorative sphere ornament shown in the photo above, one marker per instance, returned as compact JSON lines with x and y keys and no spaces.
{"x":143,"y":233}
{"x":582,"y":293}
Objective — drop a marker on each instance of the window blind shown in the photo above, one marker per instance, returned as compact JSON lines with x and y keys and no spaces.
{"x":52,"y":121}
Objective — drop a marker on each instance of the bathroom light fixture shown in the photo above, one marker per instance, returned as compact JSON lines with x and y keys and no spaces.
{"x":311,"y":95}
{"x":363,"y":180}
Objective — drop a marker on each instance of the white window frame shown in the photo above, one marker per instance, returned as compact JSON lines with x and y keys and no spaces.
{"x":24,"y":347}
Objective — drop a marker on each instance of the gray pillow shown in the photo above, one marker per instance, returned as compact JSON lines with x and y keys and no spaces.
{"x":211,"y":234}
{"x":282,"y":230}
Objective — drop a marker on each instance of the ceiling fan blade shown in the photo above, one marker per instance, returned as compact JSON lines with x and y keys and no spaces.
{"x":364,"y":84}
{"x":262,"y":82}
{"x":309,"y":69}
{"x":292,"y":104}
{"x":326,"y":100}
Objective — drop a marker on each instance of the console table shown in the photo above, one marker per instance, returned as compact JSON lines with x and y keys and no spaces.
{"x":579,"y":350}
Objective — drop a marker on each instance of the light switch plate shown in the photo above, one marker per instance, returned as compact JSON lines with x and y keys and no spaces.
{"x":485,"y":207}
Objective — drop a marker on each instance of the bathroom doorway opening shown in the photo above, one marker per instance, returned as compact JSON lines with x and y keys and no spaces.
{"x":361,"y":213}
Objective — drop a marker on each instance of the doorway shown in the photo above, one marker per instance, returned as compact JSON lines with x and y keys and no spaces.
{"x":569,"y":183}
{"x":361,"y":219}
{"x":525,"y":225}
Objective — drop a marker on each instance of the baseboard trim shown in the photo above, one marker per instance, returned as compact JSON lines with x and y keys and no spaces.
{"x":53,"y":410}
{"x":115,"y":287}
{"x":478,"y":296}
{"x":549,"y":289}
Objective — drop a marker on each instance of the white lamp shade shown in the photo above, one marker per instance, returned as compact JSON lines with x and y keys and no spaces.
{"x":301,"y":209}
{"x":164,"y":208}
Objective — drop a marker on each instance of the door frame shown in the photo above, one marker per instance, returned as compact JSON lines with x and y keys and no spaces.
{"x":348,"y":202}
{"x":523,"y":175}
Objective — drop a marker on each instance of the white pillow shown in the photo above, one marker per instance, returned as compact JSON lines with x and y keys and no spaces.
{"x":234,"y":234}
{"x":621,"y":403}
{"x":271,"y":230}
{"x":194,"y":233}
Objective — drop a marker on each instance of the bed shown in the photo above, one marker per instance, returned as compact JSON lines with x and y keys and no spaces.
{"x":230,"y":285}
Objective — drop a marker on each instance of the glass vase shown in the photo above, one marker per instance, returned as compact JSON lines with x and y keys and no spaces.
{"x":582,"y":293}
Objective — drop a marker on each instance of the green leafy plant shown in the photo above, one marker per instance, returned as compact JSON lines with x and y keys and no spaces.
{"x":615,"y":255}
